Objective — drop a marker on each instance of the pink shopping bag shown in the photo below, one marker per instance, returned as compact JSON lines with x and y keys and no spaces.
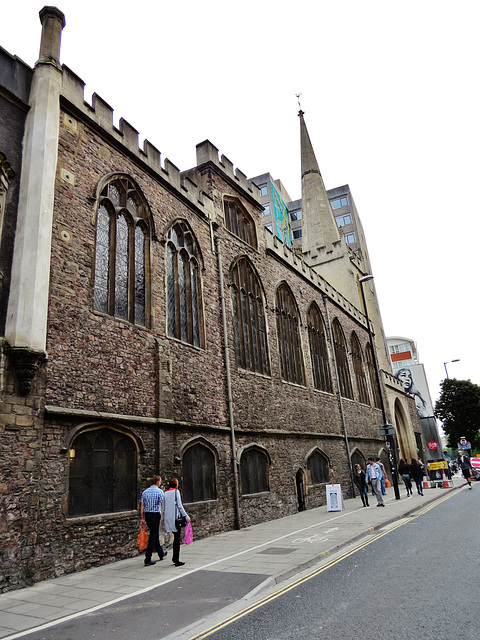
{"x":188,"y":538}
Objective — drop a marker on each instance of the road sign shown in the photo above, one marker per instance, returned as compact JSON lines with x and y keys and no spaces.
{"x":463,"y":441}
{"x":438,"y":465}
{"x":432,"y":445}
{"x":387,"y":430}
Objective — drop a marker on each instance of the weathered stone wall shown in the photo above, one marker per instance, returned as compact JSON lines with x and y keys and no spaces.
{"x":21,"y":459}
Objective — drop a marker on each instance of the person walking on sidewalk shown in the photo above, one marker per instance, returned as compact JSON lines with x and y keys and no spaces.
{"x":404,"y":471}
{"x":466,"y":467}
{"x":384,"y":475}
{"x":417,"y":474}
{"x":373,"y":474}
{"x":359,"y":477}
{"x":173,"y":512}
{"x":150,"y":513}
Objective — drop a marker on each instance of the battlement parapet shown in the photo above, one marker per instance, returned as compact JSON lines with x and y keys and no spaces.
{"x":276,"y":247}
{"x":101,"y":113}
{"x":208,"y":152}
{"x":15,"y":75}
{"x":393,"y":381}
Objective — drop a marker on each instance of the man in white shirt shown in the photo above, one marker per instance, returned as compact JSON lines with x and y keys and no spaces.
{"x":374,"y":475}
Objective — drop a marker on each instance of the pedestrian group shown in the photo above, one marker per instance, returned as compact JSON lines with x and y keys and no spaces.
{"x":155,"y":505}
{"x":376,"y":476}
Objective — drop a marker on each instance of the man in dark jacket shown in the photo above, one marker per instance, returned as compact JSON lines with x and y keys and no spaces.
{"x":466,"y":467}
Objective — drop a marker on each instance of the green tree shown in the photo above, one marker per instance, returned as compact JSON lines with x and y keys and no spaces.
{"x":459,"y":409}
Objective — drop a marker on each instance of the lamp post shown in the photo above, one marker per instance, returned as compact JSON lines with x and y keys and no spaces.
{"x":445,"y":365}
{"x":387,"y":428}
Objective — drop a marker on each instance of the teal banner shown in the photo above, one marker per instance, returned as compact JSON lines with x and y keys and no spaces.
{"x":280,"y":213}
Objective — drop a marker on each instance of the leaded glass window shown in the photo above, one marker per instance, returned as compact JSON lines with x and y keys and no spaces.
{"x":340,"y":346}
{"x":184,"y":306}
{"x":122,"y":248}
{"x":318,"y":350}
{"x":359,"y":370}
{"x":288,"y":335}
{"x":102,"y":259}
{"x":319,"y":468}
{"x":240,"y":222}
{"x":140,"y":317}
{"x":198,"y":471}
{"x":254,"y":471}
{"x":102,"y":474}
{"x":248,"y":318}
{"x":121,"y":268}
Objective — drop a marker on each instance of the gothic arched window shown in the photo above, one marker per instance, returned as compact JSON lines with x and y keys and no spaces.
{"x":102,"y":474}
{"x":239,"y":221}
{"x":249,"y":318}
{"x":122,"y":250}
{"x":184,"y":298}
{"x":288,"y":334}
{"x":319,"y":467}
{"x":318,"y":349}
{"x":359,"y":371}
{"x":372,"y":376}
{"x":198,"y":470}
{"x":340,"y":346}
{"x":254,"y":471}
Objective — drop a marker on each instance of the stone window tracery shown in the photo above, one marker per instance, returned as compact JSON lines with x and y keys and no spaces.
{"x":359,"y":370}
{"x":288,"y":334}
{"x":319,"y":467}
{"x":254,"y":471}
{"x":102,"y":473}
{"x":249,"y":318}
{"x":372,"y":376}
{"x":319,"y":350}
{"x":340,"y":346}
{"x":184,"y":298}
{"x":122,"y":249}
{"x":239,"y":221}
{"x":198,"y":471}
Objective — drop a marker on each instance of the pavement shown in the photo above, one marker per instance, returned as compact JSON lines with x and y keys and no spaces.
{"x":219,"y":571}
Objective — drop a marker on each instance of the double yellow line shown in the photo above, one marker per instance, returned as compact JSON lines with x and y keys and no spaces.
{"x":312,"y":574}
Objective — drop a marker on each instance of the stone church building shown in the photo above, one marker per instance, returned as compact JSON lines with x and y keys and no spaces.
{"x":150,"y":323}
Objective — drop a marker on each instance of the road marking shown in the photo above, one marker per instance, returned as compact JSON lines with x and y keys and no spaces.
{"x":314,"y":573}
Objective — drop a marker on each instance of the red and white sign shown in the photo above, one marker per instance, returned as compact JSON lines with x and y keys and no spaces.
{"x":432,"y":445}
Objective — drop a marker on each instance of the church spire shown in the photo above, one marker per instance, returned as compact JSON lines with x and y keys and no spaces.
{"x":320,"y":234}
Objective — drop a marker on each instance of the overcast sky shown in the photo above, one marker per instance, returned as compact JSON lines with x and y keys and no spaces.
{"x":391,"y":101}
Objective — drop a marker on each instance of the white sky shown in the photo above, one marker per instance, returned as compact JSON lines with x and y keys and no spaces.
{"x":391,"y":101}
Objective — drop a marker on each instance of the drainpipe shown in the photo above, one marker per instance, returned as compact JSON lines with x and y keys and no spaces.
{"x":340,"y":401}
{"x":229,"y":390}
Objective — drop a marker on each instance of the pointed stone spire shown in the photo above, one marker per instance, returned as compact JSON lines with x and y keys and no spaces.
{"x":320,"y":234}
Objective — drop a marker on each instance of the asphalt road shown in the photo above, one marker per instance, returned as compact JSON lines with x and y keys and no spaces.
{"x":419,"y":581}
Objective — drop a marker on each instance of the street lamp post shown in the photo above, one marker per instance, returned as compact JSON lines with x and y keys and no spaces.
{"x":445,"y":365}
{"x":387,"y":427}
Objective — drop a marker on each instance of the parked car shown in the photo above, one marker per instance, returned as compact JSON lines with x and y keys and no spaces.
{"x":475,"y":462}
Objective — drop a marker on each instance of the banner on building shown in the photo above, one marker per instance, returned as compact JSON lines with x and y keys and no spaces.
{"x":280,"y":214}
{"x":415,"y":384}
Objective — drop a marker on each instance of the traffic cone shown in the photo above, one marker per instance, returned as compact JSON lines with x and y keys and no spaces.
{"x":426,"y":484}
{"x":446,"y":482}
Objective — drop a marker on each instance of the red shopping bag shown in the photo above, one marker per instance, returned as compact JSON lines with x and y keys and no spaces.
{"x":142,"y":538}
{"x":188,"y":537}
